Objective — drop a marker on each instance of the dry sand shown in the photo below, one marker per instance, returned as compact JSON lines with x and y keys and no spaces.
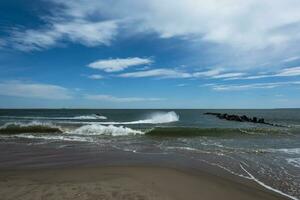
{"x":123,"y":183}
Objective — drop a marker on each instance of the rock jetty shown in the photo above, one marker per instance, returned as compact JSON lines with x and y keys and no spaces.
{"x":242,"y":118}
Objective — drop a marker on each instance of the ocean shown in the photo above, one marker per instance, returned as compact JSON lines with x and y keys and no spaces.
{"x":268,"y":155}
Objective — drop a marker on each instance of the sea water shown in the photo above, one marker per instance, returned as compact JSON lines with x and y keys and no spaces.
{"x":266,"y":154}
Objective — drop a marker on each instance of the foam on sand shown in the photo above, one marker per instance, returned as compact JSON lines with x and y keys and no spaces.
{"x":294,"y":161}
{"x":267,"y":186}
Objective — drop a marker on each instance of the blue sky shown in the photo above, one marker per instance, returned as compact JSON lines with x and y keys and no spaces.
{"x":149,"y":54}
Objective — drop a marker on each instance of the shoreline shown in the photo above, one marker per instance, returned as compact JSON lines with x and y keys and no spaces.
{"x":126,"y":182}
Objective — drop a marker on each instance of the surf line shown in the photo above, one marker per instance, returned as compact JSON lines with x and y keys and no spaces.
{"x":251,"y":177}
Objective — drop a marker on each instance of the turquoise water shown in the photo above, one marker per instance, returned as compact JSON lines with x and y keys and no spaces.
{"x":266,"y":154}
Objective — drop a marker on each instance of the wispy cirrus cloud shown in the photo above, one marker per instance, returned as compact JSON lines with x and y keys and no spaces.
{"x":77,"y":31}
{"x":161,"y":73}
{"x":253,"y":86}
{"x":209,"y":73}
{"x":174,"y":73}
{"x":287,"y":72}
{"x":119,"y":64}
{"x":95,"y":76}
{"x":2,"y":42}
{"x":229,"y":75}
{"x":109,"y":98}
{"x":291,"y":59}
{"x":34,"y":90}
{"x":181,"y":85}
{"x":293,"y":71}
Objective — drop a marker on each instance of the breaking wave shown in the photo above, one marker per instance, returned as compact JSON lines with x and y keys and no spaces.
{"x":159,"y":118}
{"x":81,"y":117}
{"x":32,"y":127}
{"x":96,"y":129}
{"x":156,"y":118}
{"x":41,"y":127}
{"x":89,"y":117}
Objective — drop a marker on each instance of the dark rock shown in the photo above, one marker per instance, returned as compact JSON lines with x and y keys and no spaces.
{"x":242,"y":118}
{"x":261,"y":120}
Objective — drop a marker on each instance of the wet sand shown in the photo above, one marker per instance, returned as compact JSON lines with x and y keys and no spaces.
{"x":130,"y":182}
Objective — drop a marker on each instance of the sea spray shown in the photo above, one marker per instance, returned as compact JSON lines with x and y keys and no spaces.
{"x":156,"y":118}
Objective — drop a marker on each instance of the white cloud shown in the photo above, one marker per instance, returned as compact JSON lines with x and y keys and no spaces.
{"x":253,"y":86}
{"x":229,"y":75}
{"x":242,"y":34}
{"x":291,"y":59}
{"x":77,"y":31}
{"x":162,"y":73}
{"x":172,"y":73}
{"x":293,"y":71}
{"x":287,"y":72}
{"x":109,"y":98}
{"x":118,"y":64}
{"x":34,"y":90}
{"x":211,"y":72}
{"x":95,"y":76}
{"x":245,"y":24}
{"x":181,"y":85}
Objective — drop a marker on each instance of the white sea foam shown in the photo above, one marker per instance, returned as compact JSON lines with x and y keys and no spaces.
{"x":55,"y":137}
{"x":89,"y":117}
{"x":294,"y":161}
{"x":156,"y":118}
{"x":97,"y":129}
{"x":267,"y":186}
{"x":290,"y":151}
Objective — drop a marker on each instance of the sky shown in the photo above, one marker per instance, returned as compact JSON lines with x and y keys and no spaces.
{"x":150,"y":54}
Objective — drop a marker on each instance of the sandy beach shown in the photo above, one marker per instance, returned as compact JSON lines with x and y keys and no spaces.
{"x":122,"y":183}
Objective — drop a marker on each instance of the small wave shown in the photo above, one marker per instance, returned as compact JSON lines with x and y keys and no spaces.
{"x":55,"y":137}
{"x":213,"y":132}
{"x":290,"y":151}
{"x":32,"y":127}
{"x":294,"y":161}
{"x":96,"y":129}
{"x":186,"y":131}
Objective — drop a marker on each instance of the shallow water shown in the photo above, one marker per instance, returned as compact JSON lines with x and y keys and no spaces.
{"x":267,"y":154}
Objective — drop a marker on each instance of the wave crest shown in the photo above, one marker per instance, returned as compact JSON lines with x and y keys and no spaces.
{"x":156,"y":118}
{"x":89,"y":117}
{"x":32,"y":127}
{"x":160,"y":118}
{"x":96,"y":129}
